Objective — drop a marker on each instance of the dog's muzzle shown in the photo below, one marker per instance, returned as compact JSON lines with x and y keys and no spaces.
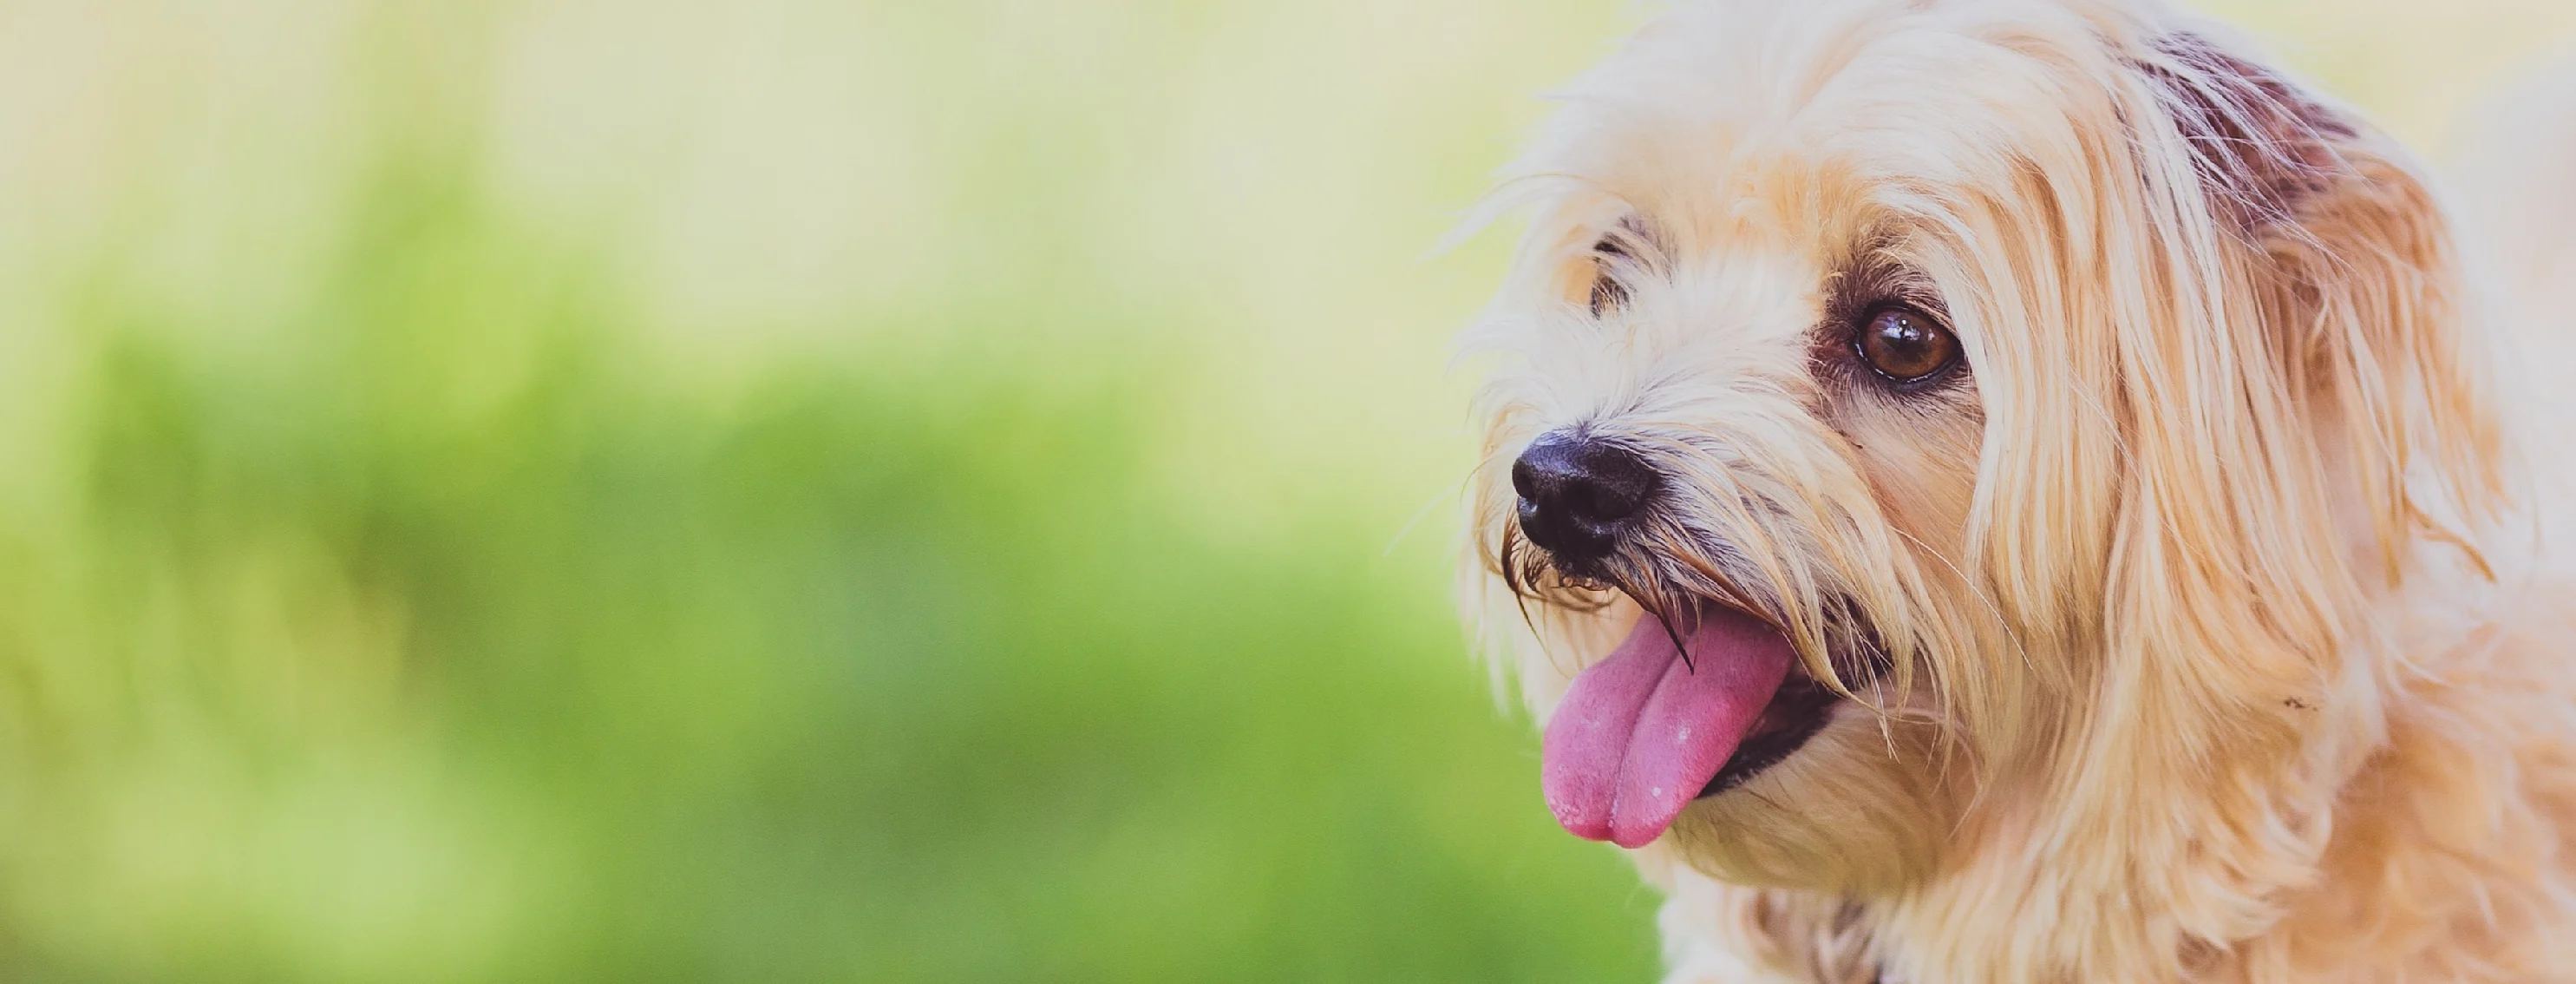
{"x":1702,"y":695}
{"x":1579,"y":494}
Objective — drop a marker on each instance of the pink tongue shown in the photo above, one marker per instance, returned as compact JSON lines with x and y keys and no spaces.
{"x":1640,"y":734}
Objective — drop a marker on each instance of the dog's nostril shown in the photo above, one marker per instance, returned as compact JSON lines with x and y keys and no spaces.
{"x":1577,"y":492}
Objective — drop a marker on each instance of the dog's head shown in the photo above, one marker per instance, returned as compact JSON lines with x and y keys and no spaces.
{"x":1920,"y":426}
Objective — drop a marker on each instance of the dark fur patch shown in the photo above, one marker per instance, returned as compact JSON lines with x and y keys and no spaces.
{"x":2261,"y":145}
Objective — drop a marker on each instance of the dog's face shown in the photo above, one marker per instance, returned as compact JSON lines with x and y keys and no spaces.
{"x":1921,"y":424}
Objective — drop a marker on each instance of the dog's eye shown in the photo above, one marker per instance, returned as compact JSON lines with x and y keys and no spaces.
{"x":1904,"y":344}
{"x":1608,"y":294}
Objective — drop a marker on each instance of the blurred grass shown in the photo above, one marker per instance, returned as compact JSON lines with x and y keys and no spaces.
{"x":781,"y":491}
{"x":450,"y":649}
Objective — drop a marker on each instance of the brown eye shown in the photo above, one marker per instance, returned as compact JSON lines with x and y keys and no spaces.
{"x":1906,"y":345}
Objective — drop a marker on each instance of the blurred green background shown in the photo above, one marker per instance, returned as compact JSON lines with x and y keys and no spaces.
{"x":784,"y":490}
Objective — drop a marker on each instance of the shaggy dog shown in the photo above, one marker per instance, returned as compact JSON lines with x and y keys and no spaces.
{"x":2017,"y":490}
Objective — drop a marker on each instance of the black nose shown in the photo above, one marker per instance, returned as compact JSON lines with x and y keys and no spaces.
{"x":1579,"y":494}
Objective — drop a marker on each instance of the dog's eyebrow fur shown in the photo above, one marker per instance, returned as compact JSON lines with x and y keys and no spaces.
{"x":2261,"y":146}
{"x":1631,"y":239}
{"x":1870,"y":278}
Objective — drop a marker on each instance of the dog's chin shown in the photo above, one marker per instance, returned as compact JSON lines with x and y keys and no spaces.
{"x":1837,"y":800}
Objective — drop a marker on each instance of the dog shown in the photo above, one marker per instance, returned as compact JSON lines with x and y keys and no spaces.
{"x":2021,"y":490}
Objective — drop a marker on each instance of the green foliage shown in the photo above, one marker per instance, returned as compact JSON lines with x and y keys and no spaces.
{"x":426,"y":627}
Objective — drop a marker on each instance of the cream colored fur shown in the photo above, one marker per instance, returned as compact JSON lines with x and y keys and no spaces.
{"x":2224,"y":641}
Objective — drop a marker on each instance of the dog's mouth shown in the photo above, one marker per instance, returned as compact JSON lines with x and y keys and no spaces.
{"x":1797,"y":711}
{"x":1676,"y":713}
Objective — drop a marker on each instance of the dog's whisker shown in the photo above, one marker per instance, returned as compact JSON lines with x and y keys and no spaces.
{"x":1678,"y":645}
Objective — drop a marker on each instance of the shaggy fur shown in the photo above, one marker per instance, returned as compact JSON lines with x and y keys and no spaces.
{"x":2218,"y":637}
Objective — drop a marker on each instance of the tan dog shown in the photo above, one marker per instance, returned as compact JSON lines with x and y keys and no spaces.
{"x":2016,"y":490}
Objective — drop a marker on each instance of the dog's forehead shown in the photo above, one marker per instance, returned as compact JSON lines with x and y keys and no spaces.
{"x":1776,"y":120}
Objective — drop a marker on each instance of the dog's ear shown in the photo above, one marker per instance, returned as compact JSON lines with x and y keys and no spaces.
{"x":2306,"y":380}
{"x":2347,"y":258}
{"x":2296,"y":379}
{"x":2288,"y":375}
